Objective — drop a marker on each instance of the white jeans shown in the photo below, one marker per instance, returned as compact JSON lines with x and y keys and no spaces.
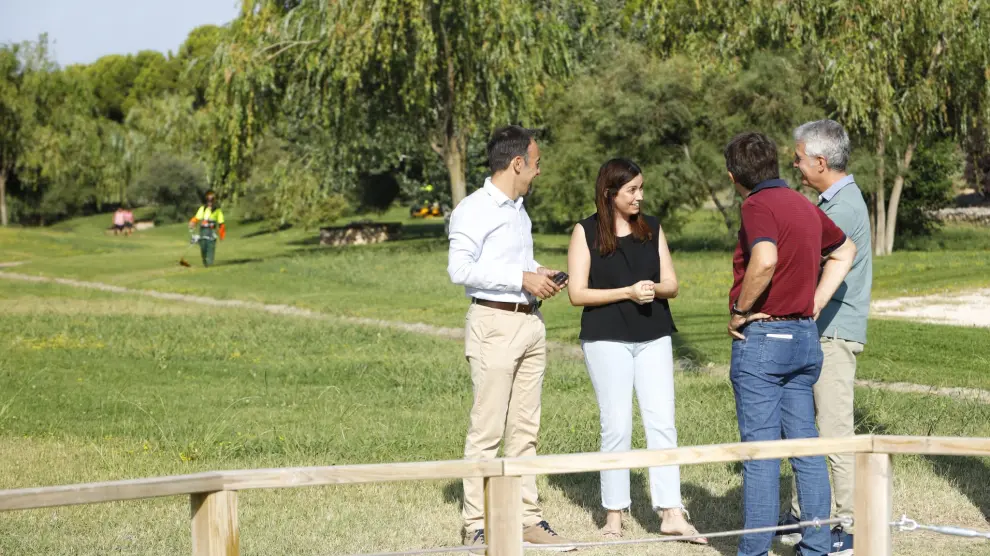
{"x":616,"y":368}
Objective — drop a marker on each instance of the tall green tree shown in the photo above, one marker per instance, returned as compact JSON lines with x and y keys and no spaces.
{"x":11,"y":120}
{"x":23,"y":67}
{"x":125,"y":150}
{"x":63,"y":156}
{"x":195,"y":61}
{"x":171,"y":123}
{"x":121,"y":81}
{"x":673,"y":117}
{"x":157,"y":77}
{"x":450,"y":69}
{"x":914,"y":82}
{"x":159,"y":125}
{"x":895,"y":73}
{"x":112,"y":77}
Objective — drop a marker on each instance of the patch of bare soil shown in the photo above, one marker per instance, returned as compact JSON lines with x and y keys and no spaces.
{"x":971,"y":308}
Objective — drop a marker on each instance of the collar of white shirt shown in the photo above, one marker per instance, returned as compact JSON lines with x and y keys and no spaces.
{"x":498,"y":196}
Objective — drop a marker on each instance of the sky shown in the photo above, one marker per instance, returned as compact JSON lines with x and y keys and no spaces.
{"x":84,"y":30}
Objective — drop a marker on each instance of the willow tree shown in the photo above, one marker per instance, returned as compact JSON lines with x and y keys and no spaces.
{"x":901,"y":72}
{"x":445,"y":69}
{"x":894,"y":73}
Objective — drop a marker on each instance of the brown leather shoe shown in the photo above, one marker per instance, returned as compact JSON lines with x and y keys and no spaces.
{"x":543,"y":534}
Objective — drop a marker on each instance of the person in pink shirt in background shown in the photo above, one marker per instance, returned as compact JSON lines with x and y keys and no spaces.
{"x":123,"y":221}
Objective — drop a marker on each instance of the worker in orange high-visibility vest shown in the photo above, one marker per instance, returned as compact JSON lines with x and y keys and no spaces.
{"x":209,"y":217}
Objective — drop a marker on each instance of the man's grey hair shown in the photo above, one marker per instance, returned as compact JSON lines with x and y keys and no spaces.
{"x":827,"y":139}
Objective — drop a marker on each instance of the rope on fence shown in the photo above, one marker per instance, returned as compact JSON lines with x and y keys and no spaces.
{"x":441,"y":550}
{"x":906,"y":524}
{"x":671,"y":538}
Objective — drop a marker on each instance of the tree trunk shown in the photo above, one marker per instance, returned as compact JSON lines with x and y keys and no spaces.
{"x":455,"y":158}
{"x":3,"y":198}
{"x":895,"y":196}
{"x":880,"y":228}
{"x":452,"y":145}
{"x":721,"y":208}
{"x":711,"y":191}
{"x":873,"y":217}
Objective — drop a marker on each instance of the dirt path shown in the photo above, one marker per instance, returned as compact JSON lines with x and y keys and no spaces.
{"x":970,"y":308}
{"x":568,"y":350}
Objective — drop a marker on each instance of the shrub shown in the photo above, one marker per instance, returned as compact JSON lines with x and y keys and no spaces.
{"x":928,"y":187}
{"x":175,"y":186}
{"x":290,"y":194}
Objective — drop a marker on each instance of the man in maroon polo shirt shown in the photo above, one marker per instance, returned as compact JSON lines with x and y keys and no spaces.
{"x":776,"y":355}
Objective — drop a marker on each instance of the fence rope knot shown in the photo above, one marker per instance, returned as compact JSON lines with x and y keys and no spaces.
{"x":905,"y":524}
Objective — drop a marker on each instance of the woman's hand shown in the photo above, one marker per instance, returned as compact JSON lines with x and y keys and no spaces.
{"x":641,"y":292}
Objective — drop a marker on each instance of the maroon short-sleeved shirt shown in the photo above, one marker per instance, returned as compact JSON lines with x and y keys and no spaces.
{"x":802,"y":233}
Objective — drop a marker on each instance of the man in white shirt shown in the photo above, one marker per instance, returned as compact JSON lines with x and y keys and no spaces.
{"x":491,"y":255}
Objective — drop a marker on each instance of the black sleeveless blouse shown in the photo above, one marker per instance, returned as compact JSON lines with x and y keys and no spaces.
{"x":632,"y":261}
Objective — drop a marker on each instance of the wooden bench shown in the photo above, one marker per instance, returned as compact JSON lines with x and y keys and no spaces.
{"x":360,"y":233}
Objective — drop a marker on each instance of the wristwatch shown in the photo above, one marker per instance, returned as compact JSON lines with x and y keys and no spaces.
{"x":736,"y":311}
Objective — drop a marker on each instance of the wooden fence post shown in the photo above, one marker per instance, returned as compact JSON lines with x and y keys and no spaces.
{"x":503,"y":516}
{"x":874,"y":504}
{"x":214,"y":524}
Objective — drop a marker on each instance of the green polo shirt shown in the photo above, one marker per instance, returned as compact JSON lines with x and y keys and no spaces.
{"x":845,"y":315}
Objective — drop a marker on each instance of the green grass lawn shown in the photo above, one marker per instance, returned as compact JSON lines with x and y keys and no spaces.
{"x":99,"y":386}
{"x":407,"y":281}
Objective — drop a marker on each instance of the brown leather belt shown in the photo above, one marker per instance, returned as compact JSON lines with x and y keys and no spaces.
{"x":505,"y":306}
{"x":782,"y":317}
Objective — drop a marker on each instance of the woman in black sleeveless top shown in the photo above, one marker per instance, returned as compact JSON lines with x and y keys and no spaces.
{"x":622,"y":274}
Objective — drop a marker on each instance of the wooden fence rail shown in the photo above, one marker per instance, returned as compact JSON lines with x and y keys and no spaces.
{"x":213,"y":495}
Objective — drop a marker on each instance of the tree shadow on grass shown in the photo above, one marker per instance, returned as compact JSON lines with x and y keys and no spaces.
{"x":307,"y":241}
{"x":422,"y":231}
{"x":967,"y":474}
{"x":267,"y":231}
{"x":453,"y":493}
{"x":709,"y":512}
{"x":687,"y":356}
{"x":233,"y":262}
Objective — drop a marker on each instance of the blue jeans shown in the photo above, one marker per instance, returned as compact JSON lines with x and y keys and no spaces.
{"x":773,"y":371}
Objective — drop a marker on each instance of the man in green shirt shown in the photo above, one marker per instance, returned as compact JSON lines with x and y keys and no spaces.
{"x":821,"y":155}
{"x":211,"y":226}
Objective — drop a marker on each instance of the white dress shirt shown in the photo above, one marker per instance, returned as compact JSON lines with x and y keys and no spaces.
{"x":491,"y":245}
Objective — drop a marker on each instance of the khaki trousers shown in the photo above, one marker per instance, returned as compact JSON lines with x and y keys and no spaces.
{"x":834,"y":408}
{"x":508,"y":356}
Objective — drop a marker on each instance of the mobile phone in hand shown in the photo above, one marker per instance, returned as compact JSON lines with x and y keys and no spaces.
{"x":560,"y":278}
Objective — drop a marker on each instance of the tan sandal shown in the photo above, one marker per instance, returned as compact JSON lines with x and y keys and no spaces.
{"x":686,"y":531}
{"x":612,"y":532}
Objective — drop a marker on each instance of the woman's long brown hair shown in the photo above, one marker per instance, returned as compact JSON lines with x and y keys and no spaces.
{"x":611,"y":177}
